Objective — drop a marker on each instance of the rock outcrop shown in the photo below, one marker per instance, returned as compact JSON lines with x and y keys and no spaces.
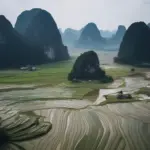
{"x":87,"y":67}
{"x":90,"y":37}
{"x":15,"y":50}
{"x":119,"y":34}
{"x":39,"y":27}
{"x":135,"y":46}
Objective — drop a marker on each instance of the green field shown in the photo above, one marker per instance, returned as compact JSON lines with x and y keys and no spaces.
{"x":51,"y":75}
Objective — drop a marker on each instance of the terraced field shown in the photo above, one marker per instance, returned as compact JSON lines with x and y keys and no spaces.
{"x":77,"y":124}
{"x":64,"y":116}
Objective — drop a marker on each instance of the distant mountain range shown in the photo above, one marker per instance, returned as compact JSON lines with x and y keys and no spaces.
{"x":70,"y":36}
{"x":91,"y":37}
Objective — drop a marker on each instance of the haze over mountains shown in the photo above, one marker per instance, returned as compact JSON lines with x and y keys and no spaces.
{"x":36,"y":30}
{"x":85,"y":101}
{"x":74,"y":38}
{"x":90,"y":37}
{"x":70,"y":36}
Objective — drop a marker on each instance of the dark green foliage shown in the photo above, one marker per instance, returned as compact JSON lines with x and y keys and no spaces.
{"x":15,"y":50}
{"x":135,"y":46}
{"x":107,"y":79}
{"x":86,"y":67}
{"x":39,"y":27}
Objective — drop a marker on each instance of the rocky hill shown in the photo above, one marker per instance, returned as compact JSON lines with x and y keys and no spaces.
{"x":15,"y":50}
{"x":135,"y":46}
{"x":39,"y":27}
{"x":87,"y":67}
{"x":70,"y":36}
{"x":119,"y":34}
{"x":90,"y":37}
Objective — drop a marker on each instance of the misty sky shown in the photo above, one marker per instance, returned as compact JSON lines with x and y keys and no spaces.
{"x":107,"y":14}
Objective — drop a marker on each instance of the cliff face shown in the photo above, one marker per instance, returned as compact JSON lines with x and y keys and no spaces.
{"x":39,"y":27}
{"x":90,"y":37}
{"x":15,"y":50}
{"x":135,"y":46}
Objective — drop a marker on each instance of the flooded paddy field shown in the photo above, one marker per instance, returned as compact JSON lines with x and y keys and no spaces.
{"x":43,"y":111}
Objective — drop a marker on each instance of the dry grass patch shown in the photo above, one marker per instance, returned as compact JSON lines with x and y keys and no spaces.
{"x":112,"y":99}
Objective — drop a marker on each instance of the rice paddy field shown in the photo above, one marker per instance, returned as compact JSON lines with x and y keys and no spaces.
{"x":42,"y":110}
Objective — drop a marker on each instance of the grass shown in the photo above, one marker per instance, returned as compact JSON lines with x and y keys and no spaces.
{"x":144,"y":90}
{"x":92,"y":95}
{"x":56,"y":73}
{"x":117,"y":72}
{"x":112,"y":99}
{"x":50,"y":74}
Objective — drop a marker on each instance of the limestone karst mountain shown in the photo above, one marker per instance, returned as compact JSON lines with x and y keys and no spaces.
{"x":119,"y":34}
{"x":113,"y":43}
{"x":135,"y":46}
{"x":90,"y":37}
{"x":16,"y":50}
{"x":87,"y":67}
{"x":39,"y":27}
{"x":70,"y":36}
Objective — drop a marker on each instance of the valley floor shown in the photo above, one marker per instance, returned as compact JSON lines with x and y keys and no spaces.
{"x":75,"y":115}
